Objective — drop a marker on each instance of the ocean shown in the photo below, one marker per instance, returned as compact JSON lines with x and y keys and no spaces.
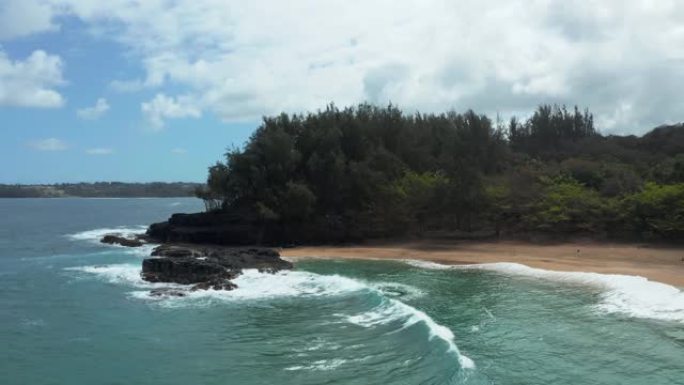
{"x":74,"y":311}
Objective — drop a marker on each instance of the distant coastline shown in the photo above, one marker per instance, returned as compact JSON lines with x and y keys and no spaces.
{"x":100,"y":190}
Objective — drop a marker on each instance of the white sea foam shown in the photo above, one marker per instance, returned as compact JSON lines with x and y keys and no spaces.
{"x":121,"y":274}
{"x":140,"y":251}
{"x":253,"y":285}
{"x":392,"y":310}
{"x":397,"y":290}
{"x":96,"y":234}
{"x":319,"y":365}
{"x":626,"y":294}
{"x":429,"y":265}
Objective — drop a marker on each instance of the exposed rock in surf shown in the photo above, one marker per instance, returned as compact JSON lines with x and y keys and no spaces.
{"x":117,"y":239}
{"x":165,"y":292}
{"x":216,"y":284}
{"x":233,"y":258}
{"x":208,"y":267}
{"x":184,"y":270}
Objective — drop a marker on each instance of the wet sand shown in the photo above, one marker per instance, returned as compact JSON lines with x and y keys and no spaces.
{"x":657,"y":263}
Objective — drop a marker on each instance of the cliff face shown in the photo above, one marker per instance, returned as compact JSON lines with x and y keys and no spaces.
{"x":241,"y":229}
{"x":205,"y":228}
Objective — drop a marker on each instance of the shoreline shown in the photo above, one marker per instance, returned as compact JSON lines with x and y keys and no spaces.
{"x":657,"y":263}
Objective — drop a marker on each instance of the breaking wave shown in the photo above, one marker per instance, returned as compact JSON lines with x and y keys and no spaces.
{"x":634,"y":296}
{"x":253,"y":285}
{"x":96,"y":234}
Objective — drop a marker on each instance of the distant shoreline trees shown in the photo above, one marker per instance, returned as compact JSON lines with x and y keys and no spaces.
{"x":99,"y":189}
{"x":374,"y":172}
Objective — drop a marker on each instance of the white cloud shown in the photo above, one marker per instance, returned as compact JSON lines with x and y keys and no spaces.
{"x":49,"y":144}
{"x":491,"y":55}
{"x":162,"y":107}
{"x":179,"y":151}
{"x":91,"y":113}
{"x":24,"y":17}
{"x":126,"y":85}
{"x":99,"y":151}
{"x":31,"y":82}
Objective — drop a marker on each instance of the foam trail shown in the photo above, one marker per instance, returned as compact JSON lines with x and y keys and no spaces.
{"x":140,"y":251}
{"x":121,"y":274}
{"x":253,"y":285}
{"x":626,"y":294}
{"x":397,"y":290}
{"x":96,"y":234}
{"x":319,"y":365}
{"x":391,"y":310}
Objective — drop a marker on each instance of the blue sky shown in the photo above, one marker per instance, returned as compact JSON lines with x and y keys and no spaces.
{"x":117,"y":144}
{"x":157,"y":90}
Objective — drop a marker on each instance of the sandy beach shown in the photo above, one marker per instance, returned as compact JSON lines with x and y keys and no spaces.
{"x":657,"y":263}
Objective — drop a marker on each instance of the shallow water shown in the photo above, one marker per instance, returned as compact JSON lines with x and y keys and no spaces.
{"x":73,"y":311}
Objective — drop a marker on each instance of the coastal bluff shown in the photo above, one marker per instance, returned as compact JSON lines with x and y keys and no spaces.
{"x":243,"y":228}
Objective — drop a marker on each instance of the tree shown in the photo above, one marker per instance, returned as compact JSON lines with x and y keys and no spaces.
{"x":297,"y":202}
{"x":569,"y":207}
{"x":372,"y":171}
{"x":659,"y":210}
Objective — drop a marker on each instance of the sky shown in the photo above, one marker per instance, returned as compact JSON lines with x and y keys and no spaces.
{"x":158,"y":90}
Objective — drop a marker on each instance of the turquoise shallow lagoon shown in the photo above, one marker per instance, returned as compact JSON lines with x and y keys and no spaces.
{"x":73,"y":311}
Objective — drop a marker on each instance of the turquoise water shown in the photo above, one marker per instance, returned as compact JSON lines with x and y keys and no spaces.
{"x":73,"y":311}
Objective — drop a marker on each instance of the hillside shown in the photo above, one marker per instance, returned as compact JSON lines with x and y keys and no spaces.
{"x":367,"y":172}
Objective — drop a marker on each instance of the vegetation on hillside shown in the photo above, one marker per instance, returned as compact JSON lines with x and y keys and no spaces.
{"x":378,"y":172}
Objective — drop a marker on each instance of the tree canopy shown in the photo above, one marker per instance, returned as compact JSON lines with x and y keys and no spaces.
{"x":369,"y":172}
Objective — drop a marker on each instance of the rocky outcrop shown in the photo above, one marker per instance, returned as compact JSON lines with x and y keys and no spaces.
{"x":214,"y":228}
{"x":242,"y":228}
{"x":116,"y":239}
{"x":232,"y":258}
{"x":207,"y":266}
{"x":184,"y":270}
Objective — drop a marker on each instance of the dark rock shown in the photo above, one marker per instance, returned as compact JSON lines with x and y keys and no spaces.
{"x":242,"y":228}
{"x":115,"y":239}
{"x":167,"y":293}
{"x":232,"y":258}
{"x":216,"y":284}
{"x":173,"y":251}
{"x":158,"y":231}
{"x":183,"y":270}
{"x":206,"y":266}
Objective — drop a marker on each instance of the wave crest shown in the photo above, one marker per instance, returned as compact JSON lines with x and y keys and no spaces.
{"x":253,"y":285}
{"x":631,"y":295}
{"x":96,"y":234}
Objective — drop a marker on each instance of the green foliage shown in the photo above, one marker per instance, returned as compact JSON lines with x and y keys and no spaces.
{"x":375,"y":172}
{"x":670,"y":170}
{"x":297,"y":203}
{"x":549,"y":126}
{"x":567,"y":206}
{"x":658,"y":209}
{"x":414,"y":194}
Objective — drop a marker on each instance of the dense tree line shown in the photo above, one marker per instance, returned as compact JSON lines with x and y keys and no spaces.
{"x":99,"y":189}
{"x":369,"y":172}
